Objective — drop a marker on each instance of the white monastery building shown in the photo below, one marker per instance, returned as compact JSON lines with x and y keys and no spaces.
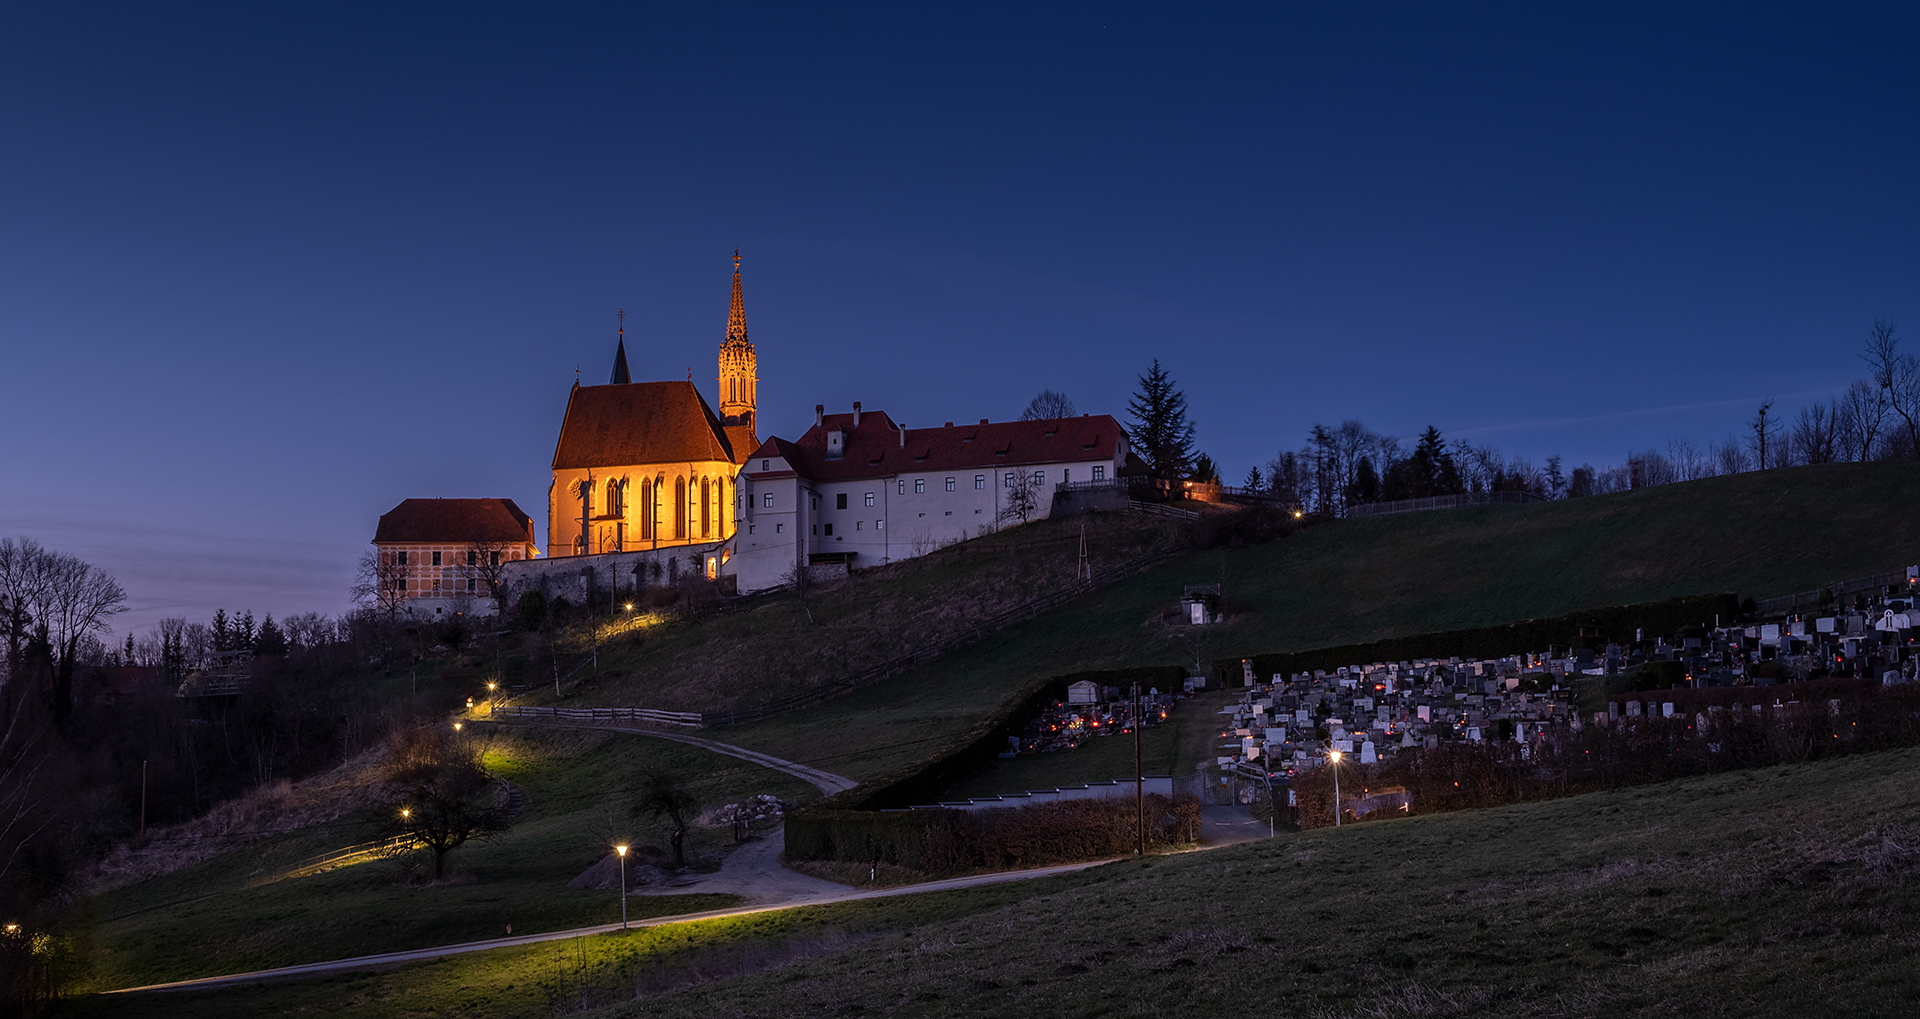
{"x":858,"y":490}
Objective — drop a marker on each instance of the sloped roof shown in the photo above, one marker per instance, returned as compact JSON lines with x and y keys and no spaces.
{"x":639,"y":423}
{"x":455,"y":521}
{"x":874,"y":448}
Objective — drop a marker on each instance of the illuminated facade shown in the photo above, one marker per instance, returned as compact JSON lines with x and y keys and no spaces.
{"x":645,"y":465}
{"x":429,"y":552}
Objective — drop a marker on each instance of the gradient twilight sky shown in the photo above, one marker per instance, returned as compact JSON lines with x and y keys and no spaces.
{"x":268,"y":269}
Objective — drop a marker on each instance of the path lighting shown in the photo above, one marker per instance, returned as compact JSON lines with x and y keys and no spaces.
{"x":629,"y":606}
{"x":622,"y":850}
{"x":1335,"y":755}
{"x":456,"y":727}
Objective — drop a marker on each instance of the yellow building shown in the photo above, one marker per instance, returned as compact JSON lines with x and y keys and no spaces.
{"x":643,"y":465}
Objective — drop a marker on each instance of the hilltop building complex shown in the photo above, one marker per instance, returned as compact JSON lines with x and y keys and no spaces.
{"x":437,"y":556}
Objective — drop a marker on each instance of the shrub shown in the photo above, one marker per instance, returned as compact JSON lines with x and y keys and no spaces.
{"x":961,"y":841}
{"x":531,"y":610}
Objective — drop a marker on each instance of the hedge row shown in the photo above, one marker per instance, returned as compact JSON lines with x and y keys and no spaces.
{"x":1587,"y":628}
{"x":850,"y":825}
{"x":961,"y":841}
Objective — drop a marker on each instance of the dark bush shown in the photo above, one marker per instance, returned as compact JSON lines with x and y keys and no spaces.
{"x":960,"y":841}
{"x":531,"y":610}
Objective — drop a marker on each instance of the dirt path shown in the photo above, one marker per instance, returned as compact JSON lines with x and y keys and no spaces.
{"x":754,"y":873}
{"x":825,"y":781}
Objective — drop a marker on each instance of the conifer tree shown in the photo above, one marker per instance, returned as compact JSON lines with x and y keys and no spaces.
{"x":1161,"y":433}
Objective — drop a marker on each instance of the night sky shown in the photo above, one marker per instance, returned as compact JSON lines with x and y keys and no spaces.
{"x":268,"y":269}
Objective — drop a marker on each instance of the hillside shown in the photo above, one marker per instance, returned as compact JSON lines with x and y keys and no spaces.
{"x":1784,"y":892}
{"x":1347,"y":582}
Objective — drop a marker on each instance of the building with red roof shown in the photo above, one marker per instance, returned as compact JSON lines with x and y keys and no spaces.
{"x":860,"y":489}
{"x":435,"y":556}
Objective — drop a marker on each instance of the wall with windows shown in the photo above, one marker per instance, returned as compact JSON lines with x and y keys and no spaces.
{"x":786,"y":520}
{"x":640,"y":507}
{"x":439,"y":578}
{"x":607,"y":578}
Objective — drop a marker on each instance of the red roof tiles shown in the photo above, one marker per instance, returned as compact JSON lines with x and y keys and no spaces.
{"x":639,"y":423}
{"x":874,"y":448}
{"x":455,"y":521}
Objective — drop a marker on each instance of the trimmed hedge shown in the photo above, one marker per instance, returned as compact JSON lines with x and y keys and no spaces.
{"x":850,"y":826}
{"x":961,"y":841}
{"x":1587,"y":628}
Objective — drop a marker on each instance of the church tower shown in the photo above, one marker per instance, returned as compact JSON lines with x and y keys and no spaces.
{"x":739,"y":381}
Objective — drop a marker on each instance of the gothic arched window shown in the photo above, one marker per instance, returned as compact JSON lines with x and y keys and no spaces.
{"x":706,"y":508}
{"x":646,"y":509}
{"x":679,"y":509}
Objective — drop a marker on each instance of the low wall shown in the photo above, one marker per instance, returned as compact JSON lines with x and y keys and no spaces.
{"x":591,"y":578}
{"x":1119,"y":788}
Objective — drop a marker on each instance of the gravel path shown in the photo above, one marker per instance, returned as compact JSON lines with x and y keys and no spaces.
{"x":825,"y":781}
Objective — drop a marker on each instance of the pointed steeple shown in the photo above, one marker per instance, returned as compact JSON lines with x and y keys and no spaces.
{"x":620,"y":374}
{"x":737,"y":314}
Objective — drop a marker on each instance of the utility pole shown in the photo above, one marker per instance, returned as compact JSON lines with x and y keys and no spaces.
{"x":1139,"y":780}
{"x":143,"y":799}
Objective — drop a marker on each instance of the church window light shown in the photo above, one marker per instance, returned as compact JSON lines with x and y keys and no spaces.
{"x":767,"y":500}
{"x":646,"y":502}
{"x":679,"y":509}
{"x":979,"y":482}
{"x":840,"y":501}
{"x":919,"y":486}
{"x":869,"y":498}
{"x":949,"y":484}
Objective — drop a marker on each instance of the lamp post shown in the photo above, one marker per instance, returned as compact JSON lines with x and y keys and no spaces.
{"x":492,"y":685}
{"x":1335,"y":755}
{"x":622,"y":850}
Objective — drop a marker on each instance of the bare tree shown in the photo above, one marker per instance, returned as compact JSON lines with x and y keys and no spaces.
{"x":1687,"y":461}
{"x":1022,"y":500}
{"x":1728,"y":457}
{"x":380,"y":583}
{"x":663,"y":794}
{"x":1858,"y":418}
{"x":1813,"y":434}
{"x":1897,"y":376}
{"x":1047,"y":406}
{"x":487,"y":564}
{"x":70,"y":598}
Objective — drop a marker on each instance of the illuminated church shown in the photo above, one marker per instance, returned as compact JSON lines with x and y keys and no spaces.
{"x":644,"y":465}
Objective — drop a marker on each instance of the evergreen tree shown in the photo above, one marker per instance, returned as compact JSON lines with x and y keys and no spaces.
{"x":270,"y":641}
{"x":243,"y":633}
{"x":1161,"y":433}
{"x":222,"y":631}
{"x":1556,"y":481}
{"x":1252,"y":484}
{"x":1204,"y":470}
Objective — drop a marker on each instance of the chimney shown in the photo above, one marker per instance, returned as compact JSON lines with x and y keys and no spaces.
{"x":903,"y":436}
{"x":983,"y":421}
{"x":819,"y":414}
{"x":856,"y":413}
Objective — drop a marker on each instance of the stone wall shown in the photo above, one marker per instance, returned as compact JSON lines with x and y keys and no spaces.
{"x":580,"y":579}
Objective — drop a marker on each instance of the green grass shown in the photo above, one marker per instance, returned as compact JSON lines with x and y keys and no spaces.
{"x":1778,"y":892}
{"x":213,"y":918}
{"x":1189,"y":737}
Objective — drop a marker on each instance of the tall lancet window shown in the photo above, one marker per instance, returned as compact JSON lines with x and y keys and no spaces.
{"x":706,"y":508}
{"x":679,"y":509}
{"x":646,"y":509}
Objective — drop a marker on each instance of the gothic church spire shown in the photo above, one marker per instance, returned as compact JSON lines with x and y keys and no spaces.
{"x":620,"y":374}
{"x":739,"y":378}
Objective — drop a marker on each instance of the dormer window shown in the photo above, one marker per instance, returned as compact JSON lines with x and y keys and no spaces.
{"x":836,"y":444}
{"x":763,"y":464}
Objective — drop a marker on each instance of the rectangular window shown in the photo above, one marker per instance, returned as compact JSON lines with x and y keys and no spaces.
{"x":1066,"y":474}
{"x":403,"y":583}
{"x":436,"y":558}
{"x":750,"y":528}
{"x":979,"y":481}
{"x":473,"y":558}
{"x":949,"y":484}
{"x":1039,"y":477}
{"x":903,"y":488}
{"x":778,"y":528}
{"x":859,"y":525}
{"x":763,"y":465}
{"x":400,"y":557}
{"x":919,"y":486}
{"x":1099,"y":473}
{"x":840,"y":501}
{"x":767,"y":500}
{"x":495,"y":558}
{"x":436,"y":587}
{"x":829,"y":530}
{"x":473,"y":584}
{"x":869,"y":498}
{"x":1007,"y":482}
{"x":879,"y":525}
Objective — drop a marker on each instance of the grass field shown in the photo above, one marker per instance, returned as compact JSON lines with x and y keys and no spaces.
{"x":1189,"y":737}
{"x":1781,"y":892}
{"x":217,"y":917}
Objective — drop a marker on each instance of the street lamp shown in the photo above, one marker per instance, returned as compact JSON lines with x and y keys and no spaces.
{"x":492,"y":685}
{"x":622,"y":850}
{"x":1335,"y":755}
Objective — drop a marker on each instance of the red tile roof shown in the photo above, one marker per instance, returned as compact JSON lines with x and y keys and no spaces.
{"x":874,"y":449}
{"x":455,"y":521}
{"x":639,"y":423}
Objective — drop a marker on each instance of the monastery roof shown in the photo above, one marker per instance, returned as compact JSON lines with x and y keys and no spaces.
{"x":639,"y":423}
{"x":874,"y":448}
{"x":455,"y":521}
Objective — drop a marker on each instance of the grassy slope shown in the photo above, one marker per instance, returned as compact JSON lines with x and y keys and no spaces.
{"x":205,"y":920}
{"x":1347,"y":582}
{"x":1789,"y":891}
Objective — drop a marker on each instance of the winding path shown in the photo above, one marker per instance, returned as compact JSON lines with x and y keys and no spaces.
{"x":825,"y":781}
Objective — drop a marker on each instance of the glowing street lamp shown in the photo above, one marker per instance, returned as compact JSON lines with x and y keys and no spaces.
{"x":1335,"y":755}
{"x":622,"y":850}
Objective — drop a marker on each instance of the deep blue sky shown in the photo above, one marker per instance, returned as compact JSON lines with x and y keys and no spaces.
{"x":266,"y":270}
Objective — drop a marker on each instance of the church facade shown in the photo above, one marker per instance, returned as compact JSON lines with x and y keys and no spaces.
{"x":649,"y":465}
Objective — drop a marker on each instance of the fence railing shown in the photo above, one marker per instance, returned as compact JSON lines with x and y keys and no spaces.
{"x":689,"y":719}
{"x":1162,"y":510}
{"x":1785,"y":604}
{"x":1440,"y":502}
